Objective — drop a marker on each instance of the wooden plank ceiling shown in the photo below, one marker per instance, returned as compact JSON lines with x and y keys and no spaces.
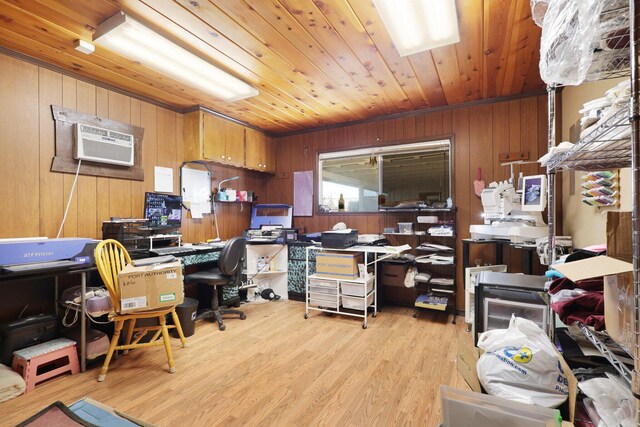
{"x":315,"y":63}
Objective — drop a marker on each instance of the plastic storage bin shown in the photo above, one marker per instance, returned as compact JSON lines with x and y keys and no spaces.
{"x":324,"y":300}
{"x":461,"y":408}
{"x":357,"y":289}
{"x":356,"y":303}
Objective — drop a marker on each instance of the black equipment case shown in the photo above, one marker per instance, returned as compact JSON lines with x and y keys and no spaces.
{"x":19,"y":334}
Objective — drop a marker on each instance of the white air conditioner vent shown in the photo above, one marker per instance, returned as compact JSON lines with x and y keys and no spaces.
{"x":102,"y":145}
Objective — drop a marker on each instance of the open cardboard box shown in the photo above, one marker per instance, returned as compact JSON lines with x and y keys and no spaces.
{"x":468,"y":356}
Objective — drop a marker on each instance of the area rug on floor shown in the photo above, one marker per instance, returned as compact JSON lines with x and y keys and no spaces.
{"x":85,"y":412}
{"x":55,"y":415}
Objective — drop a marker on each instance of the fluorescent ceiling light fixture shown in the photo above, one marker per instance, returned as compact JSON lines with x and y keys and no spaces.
{"x":419,"y":25}
{"x":84,"y":47}
{"x":128,"y":37}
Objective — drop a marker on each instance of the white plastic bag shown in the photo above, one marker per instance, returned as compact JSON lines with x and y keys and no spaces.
{"x":520,"y":364}
{"x":613,"y":400}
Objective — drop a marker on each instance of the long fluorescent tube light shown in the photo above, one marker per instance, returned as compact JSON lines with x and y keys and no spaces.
{"x":128,"y":37}
{"x":419,"y":25}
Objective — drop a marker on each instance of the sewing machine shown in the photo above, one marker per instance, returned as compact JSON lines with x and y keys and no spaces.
{"x":505,"y":219}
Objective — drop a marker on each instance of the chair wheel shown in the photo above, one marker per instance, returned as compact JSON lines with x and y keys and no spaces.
{"x":243,"y":316}
{"x":222,"y":327}
{"x":306,"y":316}
{"x":374,"y":315}
{"x":364,"y":326}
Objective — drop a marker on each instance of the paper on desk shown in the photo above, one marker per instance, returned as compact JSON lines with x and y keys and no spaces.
{"x":345,"y":231}
{"x":198,"y":209}
{"x":398,"y":249}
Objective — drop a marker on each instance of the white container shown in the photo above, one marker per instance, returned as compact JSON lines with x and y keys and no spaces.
{"x":325,"y":290}
{"x":330,"y":301}
{"x":323,"y":282}
{"x":405,"y":227}
{"x":356,"y":303}
{"x":356,"y":289}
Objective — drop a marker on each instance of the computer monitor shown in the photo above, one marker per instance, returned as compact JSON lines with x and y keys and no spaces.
{"x":163,"y":210}
{"x":534,"y":193}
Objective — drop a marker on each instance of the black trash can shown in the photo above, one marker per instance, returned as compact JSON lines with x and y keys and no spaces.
{"x":187,"y":312}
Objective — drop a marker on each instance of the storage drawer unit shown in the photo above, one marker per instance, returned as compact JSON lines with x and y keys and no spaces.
{"x":356,"y":303}
{"x":356,"y":289}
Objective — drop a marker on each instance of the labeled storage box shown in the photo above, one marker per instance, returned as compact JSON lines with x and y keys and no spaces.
{"x":338,"y":265}
{"x":339,"y":239}
{"x":150,"y":286}
{"x":356,"y":303}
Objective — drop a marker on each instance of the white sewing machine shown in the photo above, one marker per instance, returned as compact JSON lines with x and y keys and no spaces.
{"x":504,"y":218}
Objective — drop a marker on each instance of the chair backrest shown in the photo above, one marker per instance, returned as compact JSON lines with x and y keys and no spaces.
{"x":232,"y":257}
{"x":111,"y":257}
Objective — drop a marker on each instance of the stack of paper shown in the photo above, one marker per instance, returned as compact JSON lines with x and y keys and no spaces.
{"x":443,"y":230}
{"x":435,"y":259}
{"x":434,"y":248}
{"x":442,"y":281}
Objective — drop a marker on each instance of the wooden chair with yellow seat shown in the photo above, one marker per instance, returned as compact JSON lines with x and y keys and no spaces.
{"x":111,"y":257}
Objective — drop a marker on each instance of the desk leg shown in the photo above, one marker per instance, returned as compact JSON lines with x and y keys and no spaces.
{"x":527,"y":261}
{"x":83,"y":323}
{"x":499,"y":253}
{"x":465,"y":255}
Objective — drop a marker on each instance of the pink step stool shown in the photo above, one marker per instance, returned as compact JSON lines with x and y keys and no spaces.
{"x":27,"y":361}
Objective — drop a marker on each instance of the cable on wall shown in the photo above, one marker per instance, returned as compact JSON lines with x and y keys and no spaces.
{"x":66,"y":211}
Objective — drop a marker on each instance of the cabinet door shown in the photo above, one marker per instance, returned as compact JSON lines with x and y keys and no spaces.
{"x":192,"y":136}
{"x":254,"y":148}
{"x":234,"y":144}
{"x":214,"y":138}
{"x":269,"y":164}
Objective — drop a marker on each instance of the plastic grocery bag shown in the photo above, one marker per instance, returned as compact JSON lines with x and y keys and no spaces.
{"x":521,"y":364}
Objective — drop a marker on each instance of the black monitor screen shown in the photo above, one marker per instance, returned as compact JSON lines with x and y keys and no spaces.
{"x":162,"y":210}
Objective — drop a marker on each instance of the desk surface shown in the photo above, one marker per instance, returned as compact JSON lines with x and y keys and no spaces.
{"x":372,"y":249}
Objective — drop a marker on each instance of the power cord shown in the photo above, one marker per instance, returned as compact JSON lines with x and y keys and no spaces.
{"x":73,"y":187}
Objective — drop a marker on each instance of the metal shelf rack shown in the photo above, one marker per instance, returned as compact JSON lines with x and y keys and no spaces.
{"x":610,"y":145}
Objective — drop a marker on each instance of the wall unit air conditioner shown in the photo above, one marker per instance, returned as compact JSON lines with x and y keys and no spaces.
{"x":103,"y":146}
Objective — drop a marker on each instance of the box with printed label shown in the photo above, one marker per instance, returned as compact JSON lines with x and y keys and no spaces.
{"x":150,"y":286}
{"x":338,"y":265}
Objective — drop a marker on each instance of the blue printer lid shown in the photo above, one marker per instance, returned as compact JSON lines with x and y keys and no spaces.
{"x":271,"y":214}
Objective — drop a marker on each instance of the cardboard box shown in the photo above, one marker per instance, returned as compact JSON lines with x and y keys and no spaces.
{"x":618,"y":309}
{"x":392,"y":273}
{"x":150,"y":286}
{"x":468,"y":356}
{"x":618,"y":292}
{"x":338,"y":265}
{"x":619,"y":236}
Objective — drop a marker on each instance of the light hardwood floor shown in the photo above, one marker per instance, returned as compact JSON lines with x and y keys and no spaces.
{"x":277,"y":369}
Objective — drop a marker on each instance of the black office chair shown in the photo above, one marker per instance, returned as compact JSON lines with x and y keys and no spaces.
{"x":228,"y":273}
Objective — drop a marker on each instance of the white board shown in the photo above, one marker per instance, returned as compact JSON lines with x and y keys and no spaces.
{"x":196,"y":186}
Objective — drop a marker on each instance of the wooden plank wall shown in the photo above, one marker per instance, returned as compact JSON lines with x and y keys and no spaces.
{"x":480,"y":133}
{"x":34,"y":198}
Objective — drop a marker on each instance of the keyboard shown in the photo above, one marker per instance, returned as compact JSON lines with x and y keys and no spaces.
{"x":41,"y":266}
{"x":173,"y":250}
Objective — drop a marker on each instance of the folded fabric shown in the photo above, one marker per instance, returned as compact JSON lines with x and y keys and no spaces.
{"x":595,"y":284}
{"x":11,"y":383}
{"x":587,"y":308}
